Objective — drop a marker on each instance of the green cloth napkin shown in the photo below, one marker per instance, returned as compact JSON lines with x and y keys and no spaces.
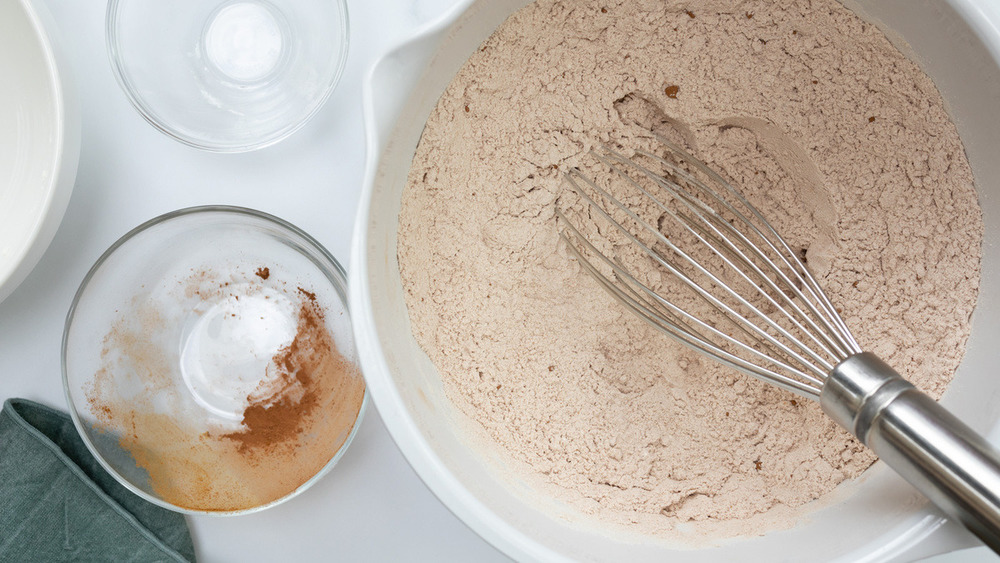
{"x":58,"y":504}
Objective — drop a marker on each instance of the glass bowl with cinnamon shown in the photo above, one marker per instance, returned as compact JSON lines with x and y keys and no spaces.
{"x":208,"y":361}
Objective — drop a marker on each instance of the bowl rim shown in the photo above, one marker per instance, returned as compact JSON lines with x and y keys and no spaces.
{"x":64,"y":160}
{"x":115,"y":57}
{"x":334,"y":272}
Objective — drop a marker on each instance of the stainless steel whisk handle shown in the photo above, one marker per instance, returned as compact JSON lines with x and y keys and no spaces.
{"x":944,"y":459}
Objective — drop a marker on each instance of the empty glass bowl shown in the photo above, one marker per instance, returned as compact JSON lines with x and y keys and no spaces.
{"x":209,"y":363}
{"x":227,"y":76}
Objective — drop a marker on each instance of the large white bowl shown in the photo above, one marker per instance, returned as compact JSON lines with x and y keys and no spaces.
{"x":875,"y":518}
{"x":39,"y":139}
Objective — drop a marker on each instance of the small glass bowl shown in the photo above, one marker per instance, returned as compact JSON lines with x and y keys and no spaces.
{"x":209,"y":364}
{"x":227,"y":76}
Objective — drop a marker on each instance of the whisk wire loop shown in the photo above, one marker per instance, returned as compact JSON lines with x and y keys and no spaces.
{"x":727,"y":251}
{"x":669,"y":322}
{"x":841,"y":330}
{"x":828,"y":333}
{"x":674,"y":269}
{"x":787,"y":331}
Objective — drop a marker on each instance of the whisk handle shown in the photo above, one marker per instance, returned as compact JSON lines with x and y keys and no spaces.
{"x":944,"y":459}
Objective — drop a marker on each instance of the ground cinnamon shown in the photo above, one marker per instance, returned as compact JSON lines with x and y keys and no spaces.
{"x":274,"y":420}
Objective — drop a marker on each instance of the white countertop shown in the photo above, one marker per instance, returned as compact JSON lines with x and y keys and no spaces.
{"x":372,"y":506}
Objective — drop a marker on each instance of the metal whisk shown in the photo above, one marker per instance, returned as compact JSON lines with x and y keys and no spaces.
{"x":681,"y":248}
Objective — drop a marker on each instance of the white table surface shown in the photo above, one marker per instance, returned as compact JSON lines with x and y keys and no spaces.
{"x":372,"y":506}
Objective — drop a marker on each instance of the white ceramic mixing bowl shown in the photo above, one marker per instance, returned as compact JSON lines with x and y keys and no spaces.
{"x":875,"y":518}
{"x":39,"y":139}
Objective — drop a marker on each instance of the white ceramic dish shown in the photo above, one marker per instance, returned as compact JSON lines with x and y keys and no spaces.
{"x":39,"y":139}
{"x":875,"y":518}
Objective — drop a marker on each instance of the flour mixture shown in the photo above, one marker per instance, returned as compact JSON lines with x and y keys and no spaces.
{"x":841,"y":141}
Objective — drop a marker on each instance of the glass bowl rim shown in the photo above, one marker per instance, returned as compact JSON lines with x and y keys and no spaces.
{"x":332,"y":270}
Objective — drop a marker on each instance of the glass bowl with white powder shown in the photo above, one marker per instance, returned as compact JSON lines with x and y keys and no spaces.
{"x":209,"y":363}
{"x":229,"y":76}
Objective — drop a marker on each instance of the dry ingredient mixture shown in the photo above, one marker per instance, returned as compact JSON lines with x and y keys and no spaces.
{"x":292,"y":425}
{"x":827,"y":128}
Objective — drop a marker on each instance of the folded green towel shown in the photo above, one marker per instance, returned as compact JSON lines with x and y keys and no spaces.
{"x":58,"y":504}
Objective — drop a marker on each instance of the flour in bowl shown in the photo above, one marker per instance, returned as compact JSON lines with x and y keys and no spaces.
{"x":838,"y":138}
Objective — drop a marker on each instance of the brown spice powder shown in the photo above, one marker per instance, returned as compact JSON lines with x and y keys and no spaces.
{"x":271,"y":421}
